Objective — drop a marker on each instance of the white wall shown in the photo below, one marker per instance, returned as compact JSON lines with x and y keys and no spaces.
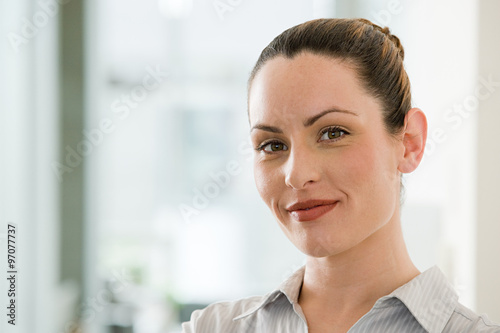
{"x":488,"y":164}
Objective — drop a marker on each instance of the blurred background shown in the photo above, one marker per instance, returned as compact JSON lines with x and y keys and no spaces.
{"x":126,"y":165}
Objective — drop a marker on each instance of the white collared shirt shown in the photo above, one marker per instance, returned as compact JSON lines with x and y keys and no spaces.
{"x":427,"y":303}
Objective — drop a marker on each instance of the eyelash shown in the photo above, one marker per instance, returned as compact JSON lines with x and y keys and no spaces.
{"x":326,"y":130}
{"x":333,"y":129}
{"x":267,"y":143}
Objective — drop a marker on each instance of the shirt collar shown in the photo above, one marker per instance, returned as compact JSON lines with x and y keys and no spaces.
{"x":290,"y":288}
{"x":429,"y":297}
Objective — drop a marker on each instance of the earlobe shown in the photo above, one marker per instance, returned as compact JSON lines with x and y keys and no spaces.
{"x":414,"y":139}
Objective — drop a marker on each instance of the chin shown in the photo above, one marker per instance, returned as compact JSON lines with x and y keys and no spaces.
{"x":319,"y":246}
{"x":318,"y":251}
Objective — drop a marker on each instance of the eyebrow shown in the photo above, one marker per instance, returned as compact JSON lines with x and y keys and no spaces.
{"x":310,"y":121}
{"x":307,"y":123}
{"x":267,"y":128}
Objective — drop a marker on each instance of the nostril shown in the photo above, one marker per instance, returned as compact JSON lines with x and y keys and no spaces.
{"x":300,"y":169}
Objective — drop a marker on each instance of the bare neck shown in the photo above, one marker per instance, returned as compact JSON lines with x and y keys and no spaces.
{"x":354,"y":280}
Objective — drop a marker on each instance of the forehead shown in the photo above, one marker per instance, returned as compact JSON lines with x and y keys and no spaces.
{"x":305,"y":85}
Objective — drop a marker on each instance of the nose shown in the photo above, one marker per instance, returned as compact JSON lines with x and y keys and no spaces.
{"x":301,"y":168}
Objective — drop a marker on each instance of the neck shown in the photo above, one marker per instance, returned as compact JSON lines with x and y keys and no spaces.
{"x":356,"y":278}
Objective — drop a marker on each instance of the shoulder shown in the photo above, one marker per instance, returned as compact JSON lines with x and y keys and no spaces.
{"x":433,"y":303}
{"x":273,"y":311}
{"x":218,"y":317}
{"x":467,"y":320}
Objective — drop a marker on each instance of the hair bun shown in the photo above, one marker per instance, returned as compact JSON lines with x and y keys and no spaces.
{"x":396,"y":42}
{"x":386,"y":31}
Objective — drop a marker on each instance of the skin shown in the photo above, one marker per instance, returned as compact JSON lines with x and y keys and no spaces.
{"x":355,"y":252}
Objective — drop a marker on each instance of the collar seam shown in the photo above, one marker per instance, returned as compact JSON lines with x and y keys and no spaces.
{"x":270,"y":298}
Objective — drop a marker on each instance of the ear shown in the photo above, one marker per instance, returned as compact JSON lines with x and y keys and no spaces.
{"x":414,"y":138}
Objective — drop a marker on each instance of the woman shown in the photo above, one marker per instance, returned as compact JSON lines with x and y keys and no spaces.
{"x":333,"y":129}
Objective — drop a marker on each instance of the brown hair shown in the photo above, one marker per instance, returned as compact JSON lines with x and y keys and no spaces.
{"x":376,"y":54}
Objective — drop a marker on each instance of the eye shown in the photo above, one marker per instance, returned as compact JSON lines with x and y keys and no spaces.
{"x":272,"y":146}
{"x":332,"y":133}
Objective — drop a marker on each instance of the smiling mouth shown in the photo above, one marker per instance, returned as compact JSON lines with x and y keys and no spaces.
{"x":310,"y":208}
{"x":304,"y":214}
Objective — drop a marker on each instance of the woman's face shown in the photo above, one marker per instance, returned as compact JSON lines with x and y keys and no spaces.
{"x":324,"y":162}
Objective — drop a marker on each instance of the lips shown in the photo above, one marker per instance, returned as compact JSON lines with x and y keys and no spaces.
{"x":310,"y":210}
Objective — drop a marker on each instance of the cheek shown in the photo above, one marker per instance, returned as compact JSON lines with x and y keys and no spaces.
{"x":352,"y":167}
{"x":369,"y":173}
{"x":267,"y":181}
